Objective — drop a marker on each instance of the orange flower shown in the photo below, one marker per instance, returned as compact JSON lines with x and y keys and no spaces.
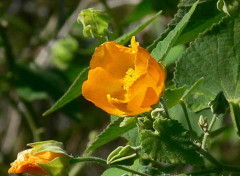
{"x":124,"y":81}
{"x":27,"y":162}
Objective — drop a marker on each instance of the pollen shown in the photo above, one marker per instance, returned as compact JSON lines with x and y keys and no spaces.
{"x":130,"y":77}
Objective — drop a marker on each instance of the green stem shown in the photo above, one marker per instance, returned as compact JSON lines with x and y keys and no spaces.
{"x":165,"y":108}
{"x":204,"y":172}
{"x":210,"y":158}
{"x":207,"y":133}
{"x":104,"y":162}
{"x":184,"y":107}
{"x":235,"y":114}
{"x":219,"y":166}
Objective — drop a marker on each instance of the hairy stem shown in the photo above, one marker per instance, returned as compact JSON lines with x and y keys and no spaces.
{"x":207,"y":133}
{"x":104,"y":162}
{"x":184,"y":107}
{"x":165,"y":108}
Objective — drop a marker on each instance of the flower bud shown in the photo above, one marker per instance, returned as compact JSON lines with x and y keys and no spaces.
{"x":95,"y":22}
{"x":203,"y":123}
{"x":145,"y":123}
{"x":123,"y":155}
{"x":44,"y":158}
{"x":158,"y":113}
{"x":230,"y":7}
{"x":219,"y":105}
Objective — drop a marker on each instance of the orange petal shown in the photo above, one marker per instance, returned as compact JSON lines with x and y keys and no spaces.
{"x":26,"y":163}
{"x":28,"y":168}
{"x":139,"y":98}
{"x":132,"y":107}
{"x":150,"y":98}
{"x":157,"y":72}
{"x":99,"y":84}
{"x":113,"y":58}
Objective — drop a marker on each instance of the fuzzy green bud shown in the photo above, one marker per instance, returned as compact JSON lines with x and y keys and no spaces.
{"x":230,"y":7}
{"x":219,"y":105}
{"x":95,"y":22}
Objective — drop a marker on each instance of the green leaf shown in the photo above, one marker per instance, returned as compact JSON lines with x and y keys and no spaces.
{"x":110,"y":133}
{"x":216,"y":57}
{"x":73,"y":92}
{"x":169,"y":143}
{"x":56,"y":167}
{"x":235,"y":114}
{"x":132,"y":136}
{"x":173,"y":55}
{"x":163,"y":47}
{"x":205,"y":15}
{"x":173,"y":96}
{"x":126,"y":37}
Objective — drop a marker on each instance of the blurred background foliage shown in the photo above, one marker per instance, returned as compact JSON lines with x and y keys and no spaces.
{"x":42,"y":49}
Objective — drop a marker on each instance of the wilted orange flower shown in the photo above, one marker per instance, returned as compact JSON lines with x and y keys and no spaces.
{"x":124,"y":81}
{"x":27,"y":162}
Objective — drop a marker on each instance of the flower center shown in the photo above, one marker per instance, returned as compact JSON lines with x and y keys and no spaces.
{"x":130,"y":77}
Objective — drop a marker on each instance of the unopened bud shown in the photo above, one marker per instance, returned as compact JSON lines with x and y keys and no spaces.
{"x":158,"y":113}
{"x":95,"y":22}
{"x":219,"y":105}
{"x":230,"y":7}
{"x":203,"y":123}
{"x":44,"y":158}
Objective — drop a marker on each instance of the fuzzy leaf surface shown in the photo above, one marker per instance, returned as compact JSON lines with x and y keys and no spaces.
{"x":216,"y":57}
{"x":169,"y":143}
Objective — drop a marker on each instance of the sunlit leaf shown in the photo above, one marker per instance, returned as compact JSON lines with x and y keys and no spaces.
{"x":163,"y":47}
{"x":216,"y":57}
{"x":205,"y":15}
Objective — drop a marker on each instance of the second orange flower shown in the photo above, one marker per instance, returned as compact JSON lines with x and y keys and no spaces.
{"x":124,"y":81}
